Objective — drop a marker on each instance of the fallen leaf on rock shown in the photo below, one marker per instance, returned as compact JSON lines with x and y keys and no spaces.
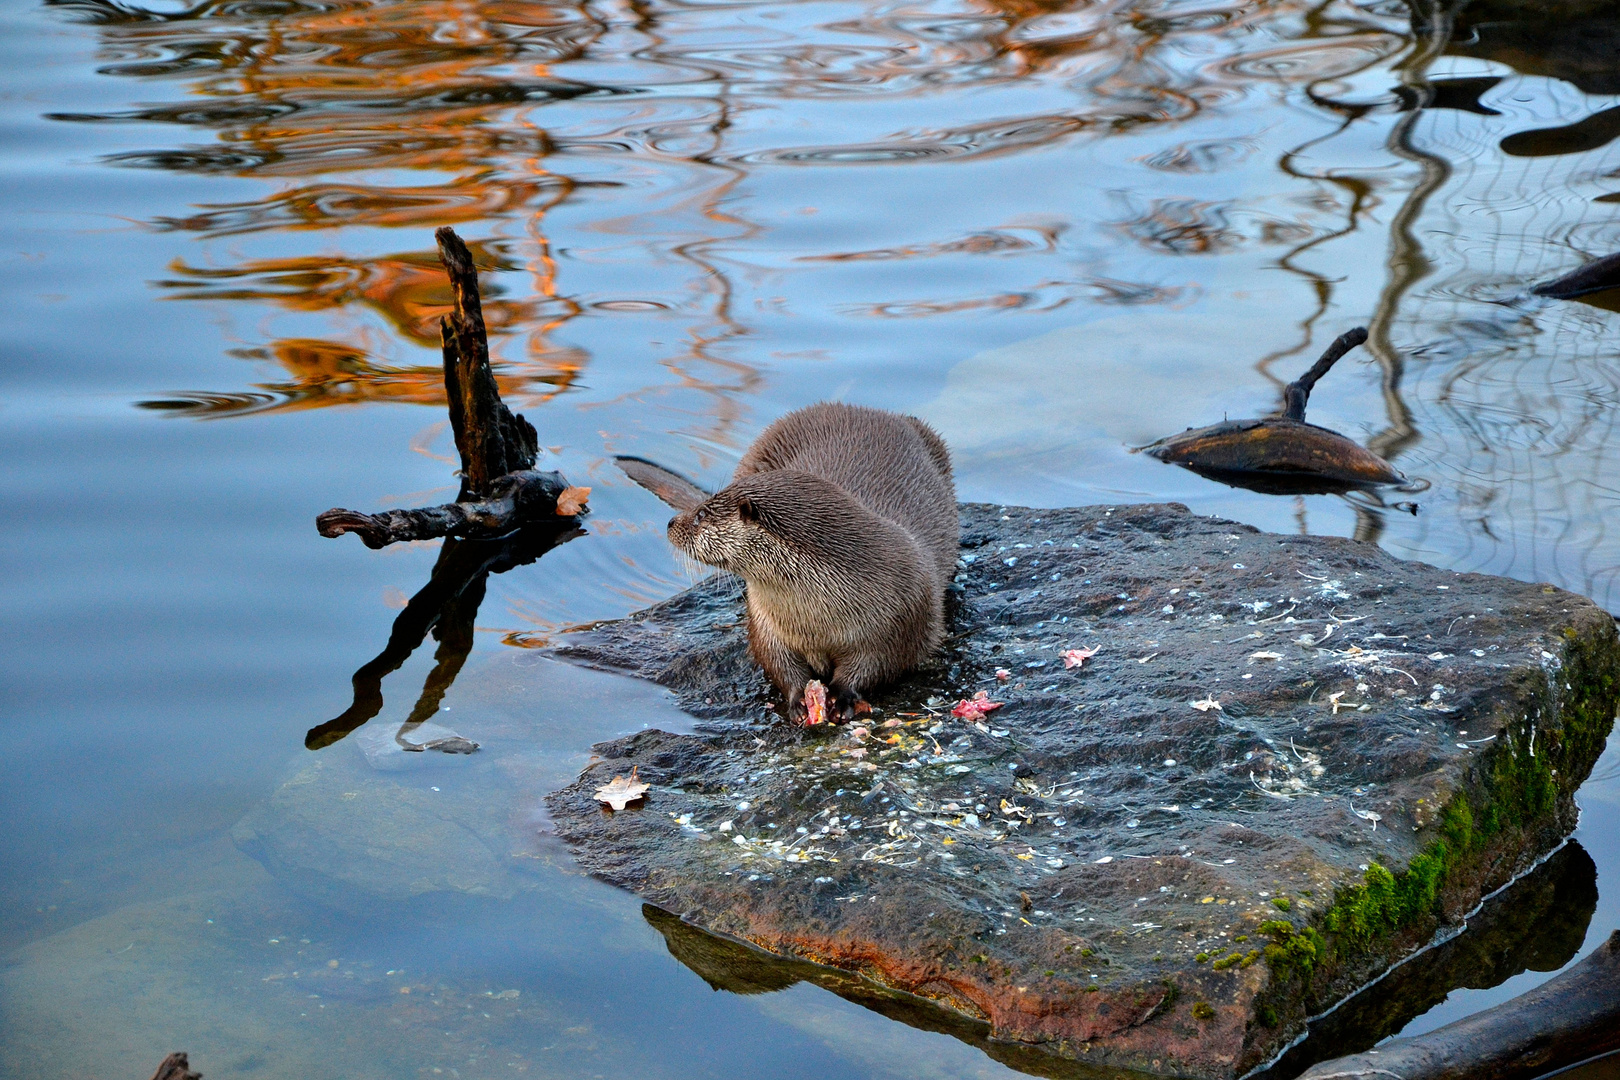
{"x":1265,"y":654}
{"x":1207,"y":704}
{"x":572,"y":501}
{"x":815,"y":703}
{"x":1003,"y":674}
{"x":622,"y":790}
{"x":1073,"y":658}
{"x":977,"y":707}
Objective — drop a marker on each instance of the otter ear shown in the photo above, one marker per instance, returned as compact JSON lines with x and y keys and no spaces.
{"x":746,"y":508}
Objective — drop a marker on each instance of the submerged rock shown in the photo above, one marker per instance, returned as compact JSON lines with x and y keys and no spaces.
{"x":1291,"y":762}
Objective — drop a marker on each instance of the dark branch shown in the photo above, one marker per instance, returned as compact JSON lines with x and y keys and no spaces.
{"x":1594,"y":277}
{"x":500,"y":490}
{"x":515,"y":498}
{"x":491,"y":440}
{"x":1298,"y":392}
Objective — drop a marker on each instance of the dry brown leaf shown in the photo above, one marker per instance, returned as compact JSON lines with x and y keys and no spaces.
{"x":622,"y":790}
{"x":572,"y":501}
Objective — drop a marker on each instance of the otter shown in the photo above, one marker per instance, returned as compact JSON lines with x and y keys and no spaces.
{"x":842,"y":521}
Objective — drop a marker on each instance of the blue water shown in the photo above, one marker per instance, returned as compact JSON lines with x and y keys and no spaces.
{"x":1056,"y":230}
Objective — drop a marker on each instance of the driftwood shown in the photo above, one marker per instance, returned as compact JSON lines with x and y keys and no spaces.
{"x":1560,"y":1023}
{"x":500,"y":489}
{"x":1282,"y":454}
{"x":176,"y":1067}
{"x":514,"y":499}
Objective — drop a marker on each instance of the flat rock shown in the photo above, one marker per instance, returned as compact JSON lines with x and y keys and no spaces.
{"x":1291,"y":762}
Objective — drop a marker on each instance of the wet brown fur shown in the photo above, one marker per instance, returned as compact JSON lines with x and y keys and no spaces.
{"x":842,"y":520}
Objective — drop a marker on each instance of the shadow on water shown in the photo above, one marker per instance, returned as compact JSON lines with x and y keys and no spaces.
{"x":446,"y":607}
{"x":1537,"y":924}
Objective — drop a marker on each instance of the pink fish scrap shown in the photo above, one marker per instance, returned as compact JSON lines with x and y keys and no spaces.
{"x":976,"y":708}
{"x":815,"y":703}
{"x":1073,"y":658}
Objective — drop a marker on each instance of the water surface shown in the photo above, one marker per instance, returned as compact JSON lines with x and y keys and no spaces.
{"x":1056,"y":229}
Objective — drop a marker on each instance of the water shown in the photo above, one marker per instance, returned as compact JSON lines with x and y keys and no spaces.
{"x":1057,"y":230}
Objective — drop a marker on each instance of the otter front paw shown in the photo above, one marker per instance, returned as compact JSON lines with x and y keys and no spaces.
{"x":847,"y":704}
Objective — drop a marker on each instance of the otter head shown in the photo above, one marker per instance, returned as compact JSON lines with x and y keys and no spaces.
{"x":720,"y":531}
{"x":752,"y":526}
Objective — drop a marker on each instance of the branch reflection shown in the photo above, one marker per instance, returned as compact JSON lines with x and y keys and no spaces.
{"x":446,"y":607}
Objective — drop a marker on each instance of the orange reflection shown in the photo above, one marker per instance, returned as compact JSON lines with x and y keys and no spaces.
{"x":334,"y":373}
{"x":408,"y":289}
{"x":343,"y":105}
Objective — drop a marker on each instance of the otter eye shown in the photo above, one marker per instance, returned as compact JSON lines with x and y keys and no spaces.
{"x":698,"y":517}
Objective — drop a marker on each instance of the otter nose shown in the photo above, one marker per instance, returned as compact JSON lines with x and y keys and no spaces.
{"x":671,"y":526}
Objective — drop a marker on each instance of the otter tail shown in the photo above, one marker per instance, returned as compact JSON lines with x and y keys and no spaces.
{"x":672,"y":487}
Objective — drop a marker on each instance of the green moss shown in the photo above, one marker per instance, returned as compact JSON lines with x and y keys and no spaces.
{"x":1281,"y":903}
{"x":1266,"y":1015}
{"x":1086,"y":951}
{"x":1241,"y":937}
{"x":1292,"y":949}
{"x":1238,"y":958}
{"x":1201,"y":958}
{"x":1203,"y":1010}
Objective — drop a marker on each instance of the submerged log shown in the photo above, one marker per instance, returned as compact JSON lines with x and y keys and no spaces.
{"x":1560,"y":1023}
{"x":500,"y":489}
{"x":1282,"y":454}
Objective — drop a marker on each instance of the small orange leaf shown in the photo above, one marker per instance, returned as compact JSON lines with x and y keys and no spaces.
{"x":622,"y":790}
{"x":572,"y":501}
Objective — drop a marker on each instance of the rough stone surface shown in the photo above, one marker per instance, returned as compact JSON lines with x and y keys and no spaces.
{"x":1291,"y":762}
